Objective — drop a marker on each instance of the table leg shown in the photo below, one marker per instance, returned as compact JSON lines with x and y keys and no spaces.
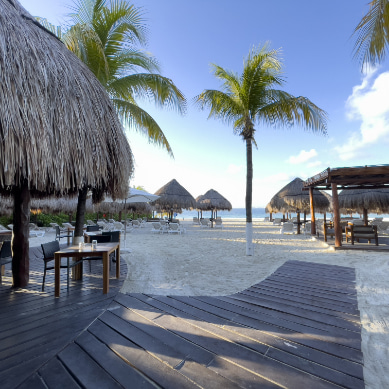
{"x":118,"y":262}
{"x":57,"y":277}
{"x":105,"y":272}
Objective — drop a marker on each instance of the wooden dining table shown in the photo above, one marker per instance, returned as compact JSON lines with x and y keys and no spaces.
{"x":103,"y":250}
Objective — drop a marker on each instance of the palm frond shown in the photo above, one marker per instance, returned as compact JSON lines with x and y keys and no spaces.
{"x":154,"y":87}
{"x":372,"y":32}
{"x":138,"y":119}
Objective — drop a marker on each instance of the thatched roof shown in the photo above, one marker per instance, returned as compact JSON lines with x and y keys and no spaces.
{"x":355,"y":200}
{"x":277,"y":205}
{"x":293,"y":195}
{"x":174,"y":197}
{"x":213,"y":200}
{"x":58,"y":128}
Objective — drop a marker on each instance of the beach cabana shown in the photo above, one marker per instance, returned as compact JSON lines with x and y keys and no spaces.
{"x":348,"y":178}
{"x":299,"y":200}
{"x":365,"y":200}
{"x":173,"y":198}
{"x":213,"y":201}
{"x":60,"y":133}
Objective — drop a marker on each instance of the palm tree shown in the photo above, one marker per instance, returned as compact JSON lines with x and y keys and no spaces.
{"x":252,"y":98}
{"x":105,"y":34}
{"x":373,"y":34}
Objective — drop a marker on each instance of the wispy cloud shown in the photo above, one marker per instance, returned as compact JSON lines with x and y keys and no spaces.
{"x":304,"y":156}
{"x":369,"y":104}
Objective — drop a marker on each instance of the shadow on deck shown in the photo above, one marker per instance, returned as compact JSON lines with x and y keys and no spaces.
{"x":299,"y":328}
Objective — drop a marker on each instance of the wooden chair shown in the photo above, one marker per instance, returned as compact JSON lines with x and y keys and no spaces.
{"x":59,"y":234}
{"x":5,"y":256}
{"x":356,"y":232}
{"x":49,"y":250}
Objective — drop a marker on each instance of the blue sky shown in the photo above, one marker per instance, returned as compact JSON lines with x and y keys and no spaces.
{"x":316,"y":43}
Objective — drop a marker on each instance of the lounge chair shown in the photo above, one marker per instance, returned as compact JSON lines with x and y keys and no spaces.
{"x":218,"y":223}
{"x":287,"y":228}
{"x":205,"y":223}
{"x":277,"y":222}
{"x":196,"y":220}
{"x":157,"y":227}
{"x":174,"y":228}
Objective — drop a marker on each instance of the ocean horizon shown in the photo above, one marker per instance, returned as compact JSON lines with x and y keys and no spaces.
{"x":257,"y":213}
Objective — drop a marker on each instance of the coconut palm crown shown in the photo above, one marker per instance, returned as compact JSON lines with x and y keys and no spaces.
{"x":254,"y":98}
{"x":105,"y":35}
{"x":372,"y":34}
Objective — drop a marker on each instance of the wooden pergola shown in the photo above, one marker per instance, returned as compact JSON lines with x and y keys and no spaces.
{"x":358,"y":177}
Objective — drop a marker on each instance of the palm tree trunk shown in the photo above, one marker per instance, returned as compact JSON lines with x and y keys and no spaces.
{"x":249,"y":198}
{"x":20,"y":237}
{"x":80,"y":217}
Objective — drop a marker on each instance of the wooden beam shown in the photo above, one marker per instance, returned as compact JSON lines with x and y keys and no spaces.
{"x":337,"y":226}
{"x":312,"y":207}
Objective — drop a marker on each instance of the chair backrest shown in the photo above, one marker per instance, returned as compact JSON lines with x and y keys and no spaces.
{"x":204,"y":221}
{"x":49,"y":249}
{"x":218,"y":221}
{"x":157,"y":225}
{"x":102,"y":238}
{"x":115,"y":235}
{"x":2,"y":228}
{"x":174,"y":226}
{"x":135,"y":223}
{"x":92,"y":228}
{"x":5,"y":250}
{"x":57,"y":230}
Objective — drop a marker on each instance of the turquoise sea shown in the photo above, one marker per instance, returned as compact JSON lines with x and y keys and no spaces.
{"x":258,"y":213}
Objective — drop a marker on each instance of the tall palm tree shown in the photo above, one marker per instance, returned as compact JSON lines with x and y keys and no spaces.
{"x":105,"y":35}
{"x":252,"y":98}
{"x":372,"y":33}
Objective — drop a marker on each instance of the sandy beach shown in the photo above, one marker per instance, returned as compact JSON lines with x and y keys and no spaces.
{"x":213,"y":262}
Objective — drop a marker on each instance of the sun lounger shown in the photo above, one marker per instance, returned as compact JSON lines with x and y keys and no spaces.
{"x":287,"y":228}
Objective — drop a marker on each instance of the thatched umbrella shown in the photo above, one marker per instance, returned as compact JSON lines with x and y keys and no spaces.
{"x":173,"y":198}
{"x":364,"y":200}
{"x":60,"y":133}
{"x":213,"y":201}
{"x":298,"y":199}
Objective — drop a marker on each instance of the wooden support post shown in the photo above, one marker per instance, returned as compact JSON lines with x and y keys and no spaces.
{"x":365,"y":218}
{"x":20,"y":237}
{"x":271,"y":216}
{"x":312,"y":207}
{"x":337,"y":226}
{"x":298,"y":222}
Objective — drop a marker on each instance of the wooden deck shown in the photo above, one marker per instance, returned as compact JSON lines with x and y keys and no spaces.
{"x":363,"y":244}
{"x":299,"y":328}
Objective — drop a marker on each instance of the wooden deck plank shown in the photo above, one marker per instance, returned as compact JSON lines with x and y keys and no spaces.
{"x":298,"y":328}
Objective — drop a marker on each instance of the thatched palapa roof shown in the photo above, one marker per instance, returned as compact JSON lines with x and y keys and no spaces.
{"x":373,"y":200}
{"x":297,"y":199}
{"x":174,"y":197}
{"x":213,"y":200}
{"x":58,"y":128}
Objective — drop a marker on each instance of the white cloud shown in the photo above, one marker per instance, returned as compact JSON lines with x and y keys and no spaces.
{"x":368,"y":103}
{"x":234,"y":169}
{"x":304,"y":156}
{"x":314,"y":164}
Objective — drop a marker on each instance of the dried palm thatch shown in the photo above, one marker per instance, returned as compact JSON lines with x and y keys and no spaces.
{"x":173,"y":198}
{"x":60,"y":205}
{"x":278,"y":205}
{"x":293,"y":195}
{"x":213,"y":200}
{"x":362,"y":200}
{"x":59,"y":131}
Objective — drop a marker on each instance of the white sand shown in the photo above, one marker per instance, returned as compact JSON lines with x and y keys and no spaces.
{"x":213,"y":262}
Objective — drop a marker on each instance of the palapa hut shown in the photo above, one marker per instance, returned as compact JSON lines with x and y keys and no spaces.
{"x":277,"y":205}
{"x":364,"y":200}
{"x":59,"y":132}
{"x":298,"y":199}
{"x":173,"y":198}
{"x":213,"y":201}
